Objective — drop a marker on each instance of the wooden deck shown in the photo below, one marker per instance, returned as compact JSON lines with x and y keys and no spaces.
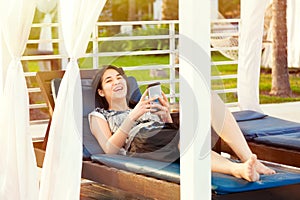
{"x":92,"y":191}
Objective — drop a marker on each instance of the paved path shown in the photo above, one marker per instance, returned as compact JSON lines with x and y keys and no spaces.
{"x":289,"y":111}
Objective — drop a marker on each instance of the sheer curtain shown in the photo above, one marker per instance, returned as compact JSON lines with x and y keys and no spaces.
{"x":293,"y":36}
{"x":19,"y":175}
{"x":61,"y":172}
{"x":4,"y":61}
{"x":46,"y":7}
{"x":250,"y":45}
{"x":293,"y":21}
{"x":1,"y":65}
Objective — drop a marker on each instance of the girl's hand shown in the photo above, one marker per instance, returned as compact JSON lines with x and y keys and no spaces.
{"x":142,"y":107}
{"x":163,"y":108}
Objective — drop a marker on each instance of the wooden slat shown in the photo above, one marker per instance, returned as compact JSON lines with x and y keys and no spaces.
{"x":130,"y":182}
{"x":92,"y":190}
{"x":270,"y":153}
{"x":44,"y":80}
{"x":36,"y":106}
{"x":33,"y":90}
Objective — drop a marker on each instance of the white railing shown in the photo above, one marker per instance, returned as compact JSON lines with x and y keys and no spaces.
{"x":224,"y":35}
{"x":223,"y":28}
{"x":62,"y":58}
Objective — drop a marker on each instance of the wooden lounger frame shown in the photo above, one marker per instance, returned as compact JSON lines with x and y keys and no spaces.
{"x":149,"y":186}
{"x":130,"y":182}
{"x":265,"y":152}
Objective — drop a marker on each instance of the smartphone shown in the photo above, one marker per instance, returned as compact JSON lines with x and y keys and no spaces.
{"x":154,"y":90}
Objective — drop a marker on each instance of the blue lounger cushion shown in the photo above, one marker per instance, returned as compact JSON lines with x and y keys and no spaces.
{"x":263,"y":125}
{"x":225,"y":184}
{"x":153,"y":168}
{"x":247,"y":115}
{"x":289,"y":141}
{"x":90,"y":144}
{"x":221,"y":183}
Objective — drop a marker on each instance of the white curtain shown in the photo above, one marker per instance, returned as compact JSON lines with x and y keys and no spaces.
{"x":293,"y":37}
{"x":1,"y":65}
{"x":5,"y":59}
{"x":250,"y":45}
{"x":46,"y":6}
{"x":46,"y":34}
{"x":293,"y":26}
{"x":266,"y":58}
{"x":61,"y":172}
{"x":19,"y":175}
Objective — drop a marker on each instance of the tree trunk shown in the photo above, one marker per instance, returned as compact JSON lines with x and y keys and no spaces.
{"x":280,"y":74}
{"x":132,"y":10}
{"x":170,"y":9}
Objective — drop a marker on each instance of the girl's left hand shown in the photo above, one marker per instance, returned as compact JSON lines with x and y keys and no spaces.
{"x":163,"y":108}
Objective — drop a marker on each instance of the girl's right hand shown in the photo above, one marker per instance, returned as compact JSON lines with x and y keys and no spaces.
{"x":142,"y":107}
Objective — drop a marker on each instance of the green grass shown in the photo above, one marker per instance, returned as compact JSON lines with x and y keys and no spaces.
{"x":144,"y":75}
{"x":264,"y":85}
{"x":125,"y":61}
{"x":140,"y":75}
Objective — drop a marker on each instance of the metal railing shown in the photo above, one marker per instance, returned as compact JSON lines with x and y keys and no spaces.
{"x":225,"y":30}
{"x":61,"y":57}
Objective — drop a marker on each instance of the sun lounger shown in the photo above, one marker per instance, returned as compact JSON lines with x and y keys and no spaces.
{"x":271,"y":138}
{"x":150,"y":178}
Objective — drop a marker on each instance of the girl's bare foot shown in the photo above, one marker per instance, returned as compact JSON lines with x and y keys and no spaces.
{"x":247,"y":169}
{"x":262,"y":169}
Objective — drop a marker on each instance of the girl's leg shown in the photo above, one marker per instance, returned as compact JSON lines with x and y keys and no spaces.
{"x":227,"y":128}
{"x":244,"y":170}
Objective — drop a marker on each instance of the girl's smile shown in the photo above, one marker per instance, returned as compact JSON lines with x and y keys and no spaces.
{"x":114,"y":89}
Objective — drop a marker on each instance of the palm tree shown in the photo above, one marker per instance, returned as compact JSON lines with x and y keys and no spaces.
{"x":170,"y":9}
{"x":106,"y":14}
{"x":132,"y":10}
{"x":280,"y":74}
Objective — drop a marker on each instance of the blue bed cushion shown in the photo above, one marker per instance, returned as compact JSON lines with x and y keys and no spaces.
{"x":247,"y":115}
{"x":267,"y":126}
{"x":90,"y":144}
{"x":288,"y":141}
{"x":157,"y":169}
{"x":225,"y":184}
{"x":86,"y":155}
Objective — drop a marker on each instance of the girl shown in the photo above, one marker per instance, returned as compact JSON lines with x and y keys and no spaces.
{"x":113,"y":124}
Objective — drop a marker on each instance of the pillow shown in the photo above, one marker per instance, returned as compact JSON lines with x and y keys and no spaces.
{"x":247,"y":115}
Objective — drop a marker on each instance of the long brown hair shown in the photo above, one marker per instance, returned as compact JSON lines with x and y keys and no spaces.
{"x":97,"y":84}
